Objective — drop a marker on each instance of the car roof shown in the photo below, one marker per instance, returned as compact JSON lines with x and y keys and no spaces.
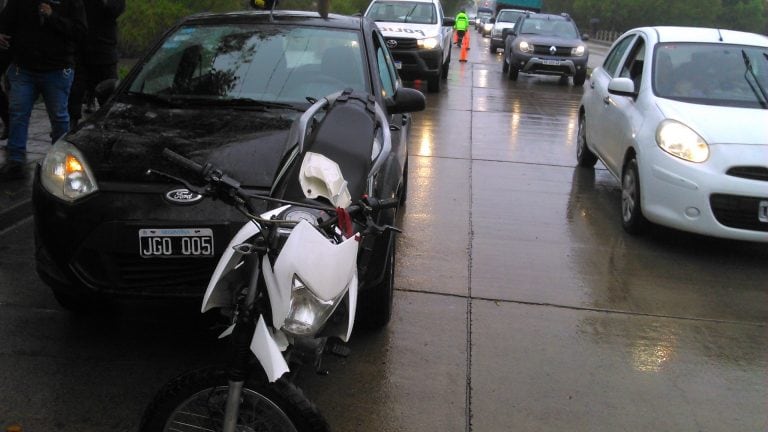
{"x":701,"y":34}
{"x":278,"y":16}
{"x":512,"y":10}
{"x":542,"y":16}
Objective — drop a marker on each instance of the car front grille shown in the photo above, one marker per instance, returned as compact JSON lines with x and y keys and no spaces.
{"x":749,"y":172}
{"x":738,"y":211}
{"x":130,"y":274}
{"x":402,"y":43}
{"x":559,"y":51}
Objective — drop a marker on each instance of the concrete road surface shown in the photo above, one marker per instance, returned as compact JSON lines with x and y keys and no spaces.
{"x":521,"y":305}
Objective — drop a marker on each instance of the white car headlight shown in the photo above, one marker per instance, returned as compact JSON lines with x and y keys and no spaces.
{"x":578,"y":51}
{"x":427,"y":43}
{"x":65,"y":174}
{"x":487,"y":27}
{"x":681,"y":141}
{"x":525,"y":47}
{"x":307,"y":312}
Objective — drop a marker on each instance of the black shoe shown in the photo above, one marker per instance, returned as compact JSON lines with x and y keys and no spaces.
{"x":12,"y":170}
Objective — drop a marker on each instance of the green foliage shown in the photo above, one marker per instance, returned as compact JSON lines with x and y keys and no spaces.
{"x":621,"y":15}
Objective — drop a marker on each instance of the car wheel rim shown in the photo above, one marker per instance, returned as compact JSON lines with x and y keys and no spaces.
{"x":628,"y":196}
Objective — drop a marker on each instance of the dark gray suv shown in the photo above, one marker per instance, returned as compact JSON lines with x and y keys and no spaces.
{"x":546,"y":44}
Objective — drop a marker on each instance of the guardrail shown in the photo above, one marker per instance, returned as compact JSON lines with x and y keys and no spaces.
{"x":606,"y":36}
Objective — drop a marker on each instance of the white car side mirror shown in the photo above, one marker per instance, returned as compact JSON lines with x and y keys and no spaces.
{"x":622,"y":87}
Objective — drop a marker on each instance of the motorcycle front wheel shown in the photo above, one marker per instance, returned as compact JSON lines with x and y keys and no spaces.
{"x":195,"y":401}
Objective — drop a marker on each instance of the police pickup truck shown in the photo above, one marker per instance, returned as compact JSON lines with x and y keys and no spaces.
{"x":419,"y":37}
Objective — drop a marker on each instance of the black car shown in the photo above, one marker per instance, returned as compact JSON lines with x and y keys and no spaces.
{"x":546,"y":44}
{"x":218,"y":88}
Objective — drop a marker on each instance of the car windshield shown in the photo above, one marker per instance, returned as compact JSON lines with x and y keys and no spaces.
{"x":711,"y":74}
{"x":549,"y":27}
{"x":238,"y":63}
{"x":403,"y":12}
{"x":508,"y":16}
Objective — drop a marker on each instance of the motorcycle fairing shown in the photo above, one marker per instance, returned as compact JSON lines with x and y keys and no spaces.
{"x":320,"y":176}
{"x":328,"y":269}
{"x":215,"y":296}
{"x":270,"y":356}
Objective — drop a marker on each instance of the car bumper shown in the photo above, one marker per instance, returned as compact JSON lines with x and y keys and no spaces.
{"x":549,"y":65}
{"x":701,"y":198}
{"x":92,"y":246}
{"x":418,"y":64}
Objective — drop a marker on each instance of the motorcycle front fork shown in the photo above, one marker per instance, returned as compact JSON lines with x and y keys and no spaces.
{"x":232,"y":409}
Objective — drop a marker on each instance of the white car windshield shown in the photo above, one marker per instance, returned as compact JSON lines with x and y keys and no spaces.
{"x":711,"y":74}
{"x":403,"y":12}
{"x":264,"y":62}
{"x":508,"y":16}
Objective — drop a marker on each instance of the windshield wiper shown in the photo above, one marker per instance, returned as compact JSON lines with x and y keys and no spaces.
{"x":248,"y":102}
{"x":759,"y":91}
{"x":154,"y":98}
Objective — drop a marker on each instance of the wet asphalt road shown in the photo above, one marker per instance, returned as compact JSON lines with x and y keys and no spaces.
{"x":521,"y":305}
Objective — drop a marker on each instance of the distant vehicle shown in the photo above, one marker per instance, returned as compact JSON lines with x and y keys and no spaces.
{"x":546,"y":44}
{"x":484,"y":15}
{"x":503,"y":24}
{"x":679,"y":116}
{"x":529,"y":5}
{"x":418,"y":35}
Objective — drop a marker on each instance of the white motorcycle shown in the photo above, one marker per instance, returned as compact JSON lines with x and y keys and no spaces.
{"x":288,"y":281}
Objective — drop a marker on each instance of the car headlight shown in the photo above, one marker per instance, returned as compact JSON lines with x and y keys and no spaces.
{"x":578,"y":51}
{"x":65,"y":174}
{"x":307,"y":312}
{"x":681,"y":141}
{"x":487,"y":27}
{"x":525,"y":47}
{"x":495,"y":31}
{"x":427,"y":43}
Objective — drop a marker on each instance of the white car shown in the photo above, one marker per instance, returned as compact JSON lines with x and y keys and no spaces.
{"x":680,"y":117}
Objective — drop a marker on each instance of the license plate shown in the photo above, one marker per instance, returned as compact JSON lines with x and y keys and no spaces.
{"x":175,"y":242}
{"x":551,"y":62}
{"x":398,"y":64}
{"x":762,"y":211}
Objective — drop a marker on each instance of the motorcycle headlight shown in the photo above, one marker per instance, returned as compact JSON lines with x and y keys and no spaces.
{"x":65,"y":174}
{"x":681,"y":141}
{"x":427,"y":43}
{"x":525,"y":47}
{"x":578,"y":51}
{"x":307,"y":312}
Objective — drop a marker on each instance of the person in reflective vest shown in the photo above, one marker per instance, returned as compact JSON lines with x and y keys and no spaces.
{"x":462,"y":22}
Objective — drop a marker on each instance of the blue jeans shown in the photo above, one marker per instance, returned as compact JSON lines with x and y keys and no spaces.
{"x":26,"y":87}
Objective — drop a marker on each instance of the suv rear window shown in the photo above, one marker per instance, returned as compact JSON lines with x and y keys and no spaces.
{"x":403,"y":12}
{"x":508,"y":16}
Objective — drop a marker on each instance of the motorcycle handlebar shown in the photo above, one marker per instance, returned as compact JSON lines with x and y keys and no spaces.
{"x":183,"y":162}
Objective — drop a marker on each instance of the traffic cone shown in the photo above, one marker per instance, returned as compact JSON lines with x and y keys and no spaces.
{"x":466,"y":36}
{"x":464,"y":48}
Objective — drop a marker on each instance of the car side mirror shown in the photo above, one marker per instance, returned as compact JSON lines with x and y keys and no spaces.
{"x":406,"y":100}
{"x":448,"y":22}
{"x":585,"y":37}
{"x":622,"y":87}
{"x":105,"y":89}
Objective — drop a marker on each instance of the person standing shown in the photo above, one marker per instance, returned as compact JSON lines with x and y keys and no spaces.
{"x":43,"y":36}
{"x":461,"y":24}
{"x":97,"y":59}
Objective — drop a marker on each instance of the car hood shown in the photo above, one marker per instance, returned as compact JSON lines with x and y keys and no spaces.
{"x":409,"y":30}
{"x":123,"y":143}
{"x":718,"y":124}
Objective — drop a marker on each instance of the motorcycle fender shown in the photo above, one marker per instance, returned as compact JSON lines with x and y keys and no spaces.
{"x":215,"y":296}
{"x":265,"y":348}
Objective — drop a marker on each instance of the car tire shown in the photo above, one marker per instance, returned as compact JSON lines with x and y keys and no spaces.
{"x":579,"y":78}
{"x":446,"y":66}
{"x":493,"y":48}
{"x":584,"y":155}
{"x":504,"y":64}
{"x":404,"y":185}
{"x":375,"y":306}
{"x":632,"y":219}
{"x":433,"y":84}
{"x":512,"y":73}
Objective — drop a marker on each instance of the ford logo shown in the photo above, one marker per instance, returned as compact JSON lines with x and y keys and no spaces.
{"x":391,"y":43}
{"x":552,"y":50}
{"x":183,"y":196}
